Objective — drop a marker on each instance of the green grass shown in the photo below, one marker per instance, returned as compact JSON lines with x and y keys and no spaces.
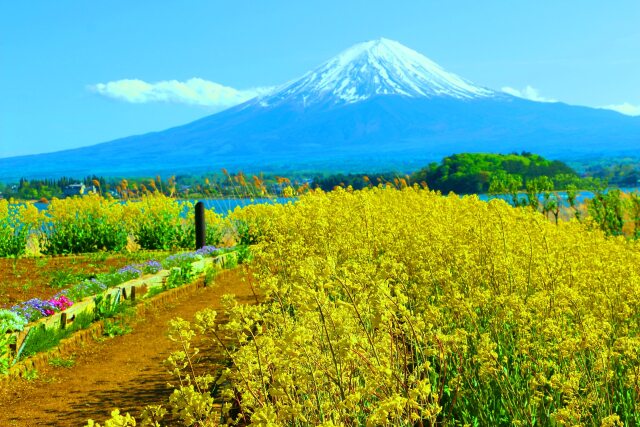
{"x":42,"y":338}
{"x":31,"y":374}
{"x":210,"y":275}
{"x":116,"y":327}
{"x":116,"y":316}
{"x":82,"y":320}
{"x":42,"y":262}
{"x":154,"y":291}
{"x":61,"y":362}
{"x":62,"y":278}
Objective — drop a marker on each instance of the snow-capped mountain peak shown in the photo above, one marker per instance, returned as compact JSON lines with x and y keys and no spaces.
{"x":377,"y":67}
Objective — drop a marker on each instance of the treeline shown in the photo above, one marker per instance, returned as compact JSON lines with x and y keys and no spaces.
{"x":619,"y":173}
{"x":355,"y":181}
{"x":35,"y":189}
{"x":214,"y":185}
{"x":465,"y":173}
{"x":470,"y":173}
{"x":476,"y":173}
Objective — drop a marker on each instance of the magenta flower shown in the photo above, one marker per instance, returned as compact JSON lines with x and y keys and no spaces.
{"x":60,"y":302}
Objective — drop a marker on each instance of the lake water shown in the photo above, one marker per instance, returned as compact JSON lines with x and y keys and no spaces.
{"x":581,"y":197}
{"x":221,"y":206}
{"x":224,"y":206}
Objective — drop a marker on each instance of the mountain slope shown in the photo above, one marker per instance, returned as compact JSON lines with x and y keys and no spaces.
{"x":379,"y":67}
{"x":377,"y":105}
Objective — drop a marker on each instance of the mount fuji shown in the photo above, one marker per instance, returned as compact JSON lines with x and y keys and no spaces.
{"x":376,"y":106}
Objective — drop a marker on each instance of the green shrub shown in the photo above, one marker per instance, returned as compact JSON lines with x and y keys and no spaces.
{"x":156,"y":222}
{"x":244,"y":254}
{"x":82,"y":320}
{"x":10,"y":321}
{"x":179,"y":276}
{"x":607,"y":210}
{"x":16,"y":224}
{"x":5,"y":350}
{"x":116,"y":327}
{"x":108,"y":306}
{"x":80,"y":225}
{"x":41,"y":338}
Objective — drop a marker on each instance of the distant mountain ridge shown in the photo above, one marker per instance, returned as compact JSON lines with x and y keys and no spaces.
{"x":376,"y":106}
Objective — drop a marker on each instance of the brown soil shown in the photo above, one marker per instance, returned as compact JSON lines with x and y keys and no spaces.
{"x":125,"y":372}
{"x":25,"y":278}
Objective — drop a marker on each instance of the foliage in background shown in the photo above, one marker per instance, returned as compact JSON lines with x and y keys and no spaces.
{"x":248,"y":223}
{"x":355,"y":181}
{"x":93,"y":223}
{"x":16,"y":223}
{"x":47,"y":189}
{"x":83,"y":224}
{"x":156,"y":222}
{"x":620,"y":172}
{"x":472,"y":173}
{"x":211,"y":185}
{"x":153,"y":219}
{"x":607,"y":210}
{"x":215,"y":229}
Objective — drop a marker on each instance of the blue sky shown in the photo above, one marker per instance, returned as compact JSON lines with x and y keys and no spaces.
{"x":62,"y":63}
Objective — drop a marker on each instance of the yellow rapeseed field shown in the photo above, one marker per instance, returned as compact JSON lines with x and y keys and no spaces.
{"x":403,"y":307}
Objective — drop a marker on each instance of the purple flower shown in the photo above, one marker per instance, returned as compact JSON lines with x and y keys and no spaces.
{"x":129,"y":272}
{"x":34,"y":309}
{"x":97,"y":285}
{"x":181,"y":258}
{"x":206,"y":250}
{"x":83,"y":289}
{"x":151,"y":267}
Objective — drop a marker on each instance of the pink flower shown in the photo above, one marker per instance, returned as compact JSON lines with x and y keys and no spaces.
{"x":61,"y":303}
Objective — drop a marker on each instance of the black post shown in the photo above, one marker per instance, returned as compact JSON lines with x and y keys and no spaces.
{"x":201,"y":228}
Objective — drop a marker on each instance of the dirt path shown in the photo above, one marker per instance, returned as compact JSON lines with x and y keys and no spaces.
{"x":125,"y":372}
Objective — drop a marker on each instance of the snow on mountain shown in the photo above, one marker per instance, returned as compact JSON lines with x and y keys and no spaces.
{"x":377,"y":67}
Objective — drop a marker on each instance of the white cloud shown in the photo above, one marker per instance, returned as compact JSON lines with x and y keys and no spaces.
{"x":625,"y":108}
{"x":194,"y":91}
{"x":533,"y":94}
{"x":529,"y":92}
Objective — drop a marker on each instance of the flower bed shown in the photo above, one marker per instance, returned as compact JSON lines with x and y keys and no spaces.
{"x":151,"y":277}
